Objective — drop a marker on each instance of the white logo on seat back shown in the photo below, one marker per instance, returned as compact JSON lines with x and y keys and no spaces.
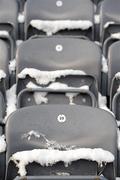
{"x":61,"y":118}
{"x":59,"y":3}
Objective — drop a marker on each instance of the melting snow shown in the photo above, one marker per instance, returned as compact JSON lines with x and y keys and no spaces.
{"x":2,"y":144}
{"x":47,"y":157}
{"x":118,"y":123}
{"x":104,"y":65}
{"x":118,"y":139}
{"x":19,"y":42}
{"x":102,"y":102}
{"x":12,"y":66}
{"x":40,"y":97}
{"x":45,"y":77}
{"x":51,"y":27}
{"x":2,"y":74}
{"x":115,"y":35}
{"x":97,"y":19}
{"x":4,"y":33}
{"x":117,"y":75}
{"x":11,"y":100}
{"x":21,"y":18}
{"x":108,"y":24}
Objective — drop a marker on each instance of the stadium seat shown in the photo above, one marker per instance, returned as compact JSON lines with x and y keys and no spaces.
{"x":9,"y":23}
{"x":4,"y":76}
{"x":59,"y":55}
{"x":2,"y":155}
{"x":42,"y":128}
{"x":113,"y":79}
{"x":66,"y":17}
{"x":110,"y":18}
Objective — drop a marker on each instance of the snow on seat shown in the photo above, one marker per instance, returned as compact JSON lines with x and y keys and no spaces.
{"x":110,"y":18}
{"x":59,"y":60}
{"x":58,"y":132}
{"x":62,"y":17}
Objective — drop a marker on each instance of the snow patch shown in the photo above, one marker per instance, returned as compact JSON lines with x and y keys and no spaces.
{"x":21,"y":18}
{"x":4,"y":33}
{"x":98,"y":43}
{"x":40,"y":97}
{"x":102,"y":102}
{"x":97,"y":19}
{"x":118,"y":132}
{"x":19,"y":42}
{"x":45,"y":77}
{"x":12,"y":66}
{"x":2,"y":74}
{"x":52,"y":27}
{"x":11,"y":100}
{"x":2,"y":144}
{"x":104,"y":65}
{"x":47,"y":157}
{"x":108,"y":24}
{"x":117,"y":75}
{"x":115,"y":35}
{"x":118,"y":123}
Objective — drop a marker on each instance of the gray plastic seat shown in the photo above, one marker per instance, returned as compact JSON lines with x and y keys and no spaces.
{"x":9,"y":22}
{"x":4,"y":82}
{"x":2,"y":160}
{"x":44,"y":57}
{"x":76,"y":130}
{"x":113,"y":69}
{"x":46,"y":10}
{"x":110,"y":18}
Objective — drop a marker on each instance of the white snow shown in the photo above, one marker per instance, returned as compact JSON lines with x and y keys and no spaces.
{"x":12,"y":66}
{"x":118,"y":90}
{"x":2,"y":144}
{"x":52,"y":27}
{"x":97,"y":19}
{"x":118,"y":123}
{"x":19,"y":42}
{"x":104,"y":65}
{"x":40,"y":97}
{"x":102,"y":102}
{"x":118,"y":132}
{"x":4,"y":33}
{"x":48,"y":157}
{"x":45,"y":77}
{"x":11,"y":100}
{"x":117,"y":75}
{"x":98,"y":43}
{"x":21,"y":18}
{"x":108,"y":24}
{"x":115,"y":35}
{"x":31,"y":134}
{"x":2,"y":74}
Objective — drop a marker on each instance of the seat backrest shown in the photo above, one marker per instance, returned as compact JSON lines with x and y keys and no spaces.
{"x":110,"y":18}
{"x":62,"y":17}
{"x":113,"y":68}
{"x":61,"y":127}
{"x":38,"y":96}
{"x":9,"y":17}
{"x":4,"y":76}
{"x":46,"y":57}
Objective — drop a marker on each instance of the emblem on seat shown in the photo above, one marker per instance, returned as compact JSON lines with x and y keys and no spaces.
{"x":61,"y":118}
{"x":59,"y":3}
